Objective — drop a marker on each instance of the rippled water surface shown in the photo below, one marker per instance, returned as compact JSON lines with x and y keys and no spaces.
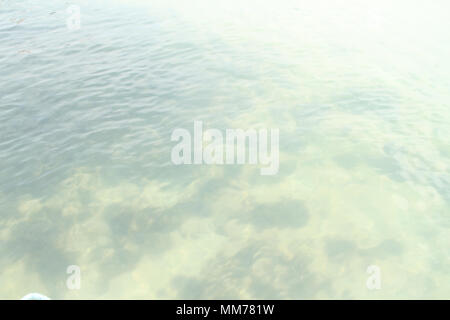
{"x":360,"y":91}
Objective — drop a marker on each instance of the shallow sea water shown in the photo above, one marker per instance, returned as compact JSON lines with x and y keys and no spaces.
{"x":360,"y":91}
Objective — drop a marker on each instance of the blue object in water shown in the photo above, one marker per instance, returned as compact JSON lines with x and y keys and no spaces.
{"x":35,"y":296}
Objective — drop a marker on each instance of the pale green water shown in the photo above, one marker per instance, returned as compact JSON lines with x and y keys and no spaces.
{"x":360,"y":91}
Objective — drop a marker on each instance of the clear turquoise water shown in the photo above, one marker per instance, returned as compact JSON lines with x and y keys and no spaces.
{"x":360,"y":91}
